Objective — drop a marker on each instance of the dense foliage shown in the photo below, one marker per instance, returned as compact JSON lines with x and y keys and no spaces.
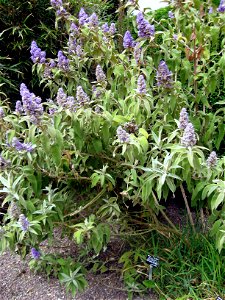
{"x":122,"y":132}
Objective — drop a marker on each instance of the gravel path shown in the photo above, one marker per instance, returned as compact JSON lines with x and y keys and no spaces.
{"x":17,"y":282}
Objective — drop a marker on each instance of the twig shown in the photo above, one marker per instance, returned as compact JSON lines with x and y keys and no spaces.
{"x":187,"y":207}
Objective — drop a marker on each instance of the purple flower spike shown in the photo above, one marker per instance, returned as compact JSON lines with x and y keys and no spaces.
{"x":171,"y":15}
{"x":100,"y":75}
{"x":184,"y":120}
{"x":2,"y":113}
{"x":112,"y":29}
{"x":141,"y":89}
{"x":164,"y":76}
{"x":188,"y":139}
{"x":81,"y":97}
{"x":221,"y":7}
{"x":74,"y":30}
{"x":56,"y":3}
{"x":145,"y":30}
{"x":93,"y":20}
{"x":35,"y":253}
{"x":19,"y":107}
{"x":105,"y":27}
{"x":212,"y":160}
{"x":63,"y":62}
{"x":137,"y":53}
{"x":122,"y":135}
{"x":79,"y":51}
{"x":28,"y":147}
{"x":128,"y":41}
{"x":24,"y":223}
{"x":37,"y":56}
{"x":83,"y":17}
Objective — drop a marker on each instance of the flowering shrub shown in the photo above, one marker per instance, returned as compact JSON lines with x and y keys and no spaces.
{"x":121,"y":128}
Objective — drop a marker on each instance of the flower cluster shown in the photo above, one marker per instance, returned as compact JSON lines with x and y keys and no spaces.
{"x":32,"y":105}
{"x":63,"y":62}
{"x":221,"y":7}
{"x":64,"y":101}
{"x":14,"y":210}
{"x":58,"y":5}
{"x":145,"y":30}
{"x":96,"y":92}
{"x":141,"y":85}
{"x":111,"y":30}
{"x":79,"y":51}
{"x":81,"y":97}
{"x":83,"y":17}
{"x":122,"y":135}
{"x":212,"y":160}
{"x":93,"y":20}
{"x":37,"y":56}
{"x":188,"y":139}
{"x":74,"y":30}
{"x":28,"y":147}
{"x":164,"y":76}
{"x":100,"y":75}
{"x":137,"y":53}
{"x":128,"y":41}
{"x":24,"y":223}
{"x":72,"y":45}
{"x":48,"y":68}
{"x":171,"y":15}
{"x":2,"y":113}
{"x":35,"y":253}
{"x":183,"y":120}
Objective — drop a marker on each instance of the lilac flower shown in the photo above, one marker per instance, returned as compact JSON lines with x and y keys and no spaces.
{"x":81,"y":97}
{"x":112,"y":29}
{"x":48,"y":68}
{"x":137,"y":53}
{"x":188,"y":139}
{"x":221,"y":7}
{"x":141,"y":85}
{"x":79,"y":51}
{"x":171,"y":15}
{"x":63,"y":62}
{"x":96,"y":93}
{"x":52,"y":108}
{"x":212,"y":160}
{"x":61,"y":11}
{"x":83,"y":17}
{"x":14,"y":210}
{"x":105,"y":27}
{"x":122,"y":135}
{"x":93,"y":20}
{"x":37,"y":56}
{"x":74,"y":30}
{"x":32,"y":105}
{"x":28,"y":147}
{"x":4,"y":163}
{"x":2,"y":113}
{"x":24,"y":223}
{"x":35,"y":253}
{"x":164,"y":76}
{"x":145,"y":30}
{"x":64,"y":101}
{"x":128,"y":41}
{"x":183,"y":120}
{"x":19,"y":107}
{"x":72,"y":45}
{"x":210,"y":10}
{"x":56,"y":3}
{"x":100,"y":75}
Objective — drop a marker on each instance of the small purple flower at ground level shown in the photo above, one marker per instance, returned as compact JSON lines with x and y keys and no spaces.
{"x":35,"y":253}
{"x":2,"y":113}
{"x":128,"y":41}
{"x":100,"y":75}
{"x":212,"y":160}
{"x":141,"y":85}
{"x":183,"y":120}
{"x":24,"y":223}
{"x":81,"y":97}
{"x":171,"y":15}
{"x":221,"y":7}
{"x":83,"y":17}
{"x":122,"y":135}
{"x":37,"y":56}
{"x":93,"y":20}
{"x":145,"y":30}
{"x":63,"y":62}
{"x":189,"y":139}
{"x":164,"y":76}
